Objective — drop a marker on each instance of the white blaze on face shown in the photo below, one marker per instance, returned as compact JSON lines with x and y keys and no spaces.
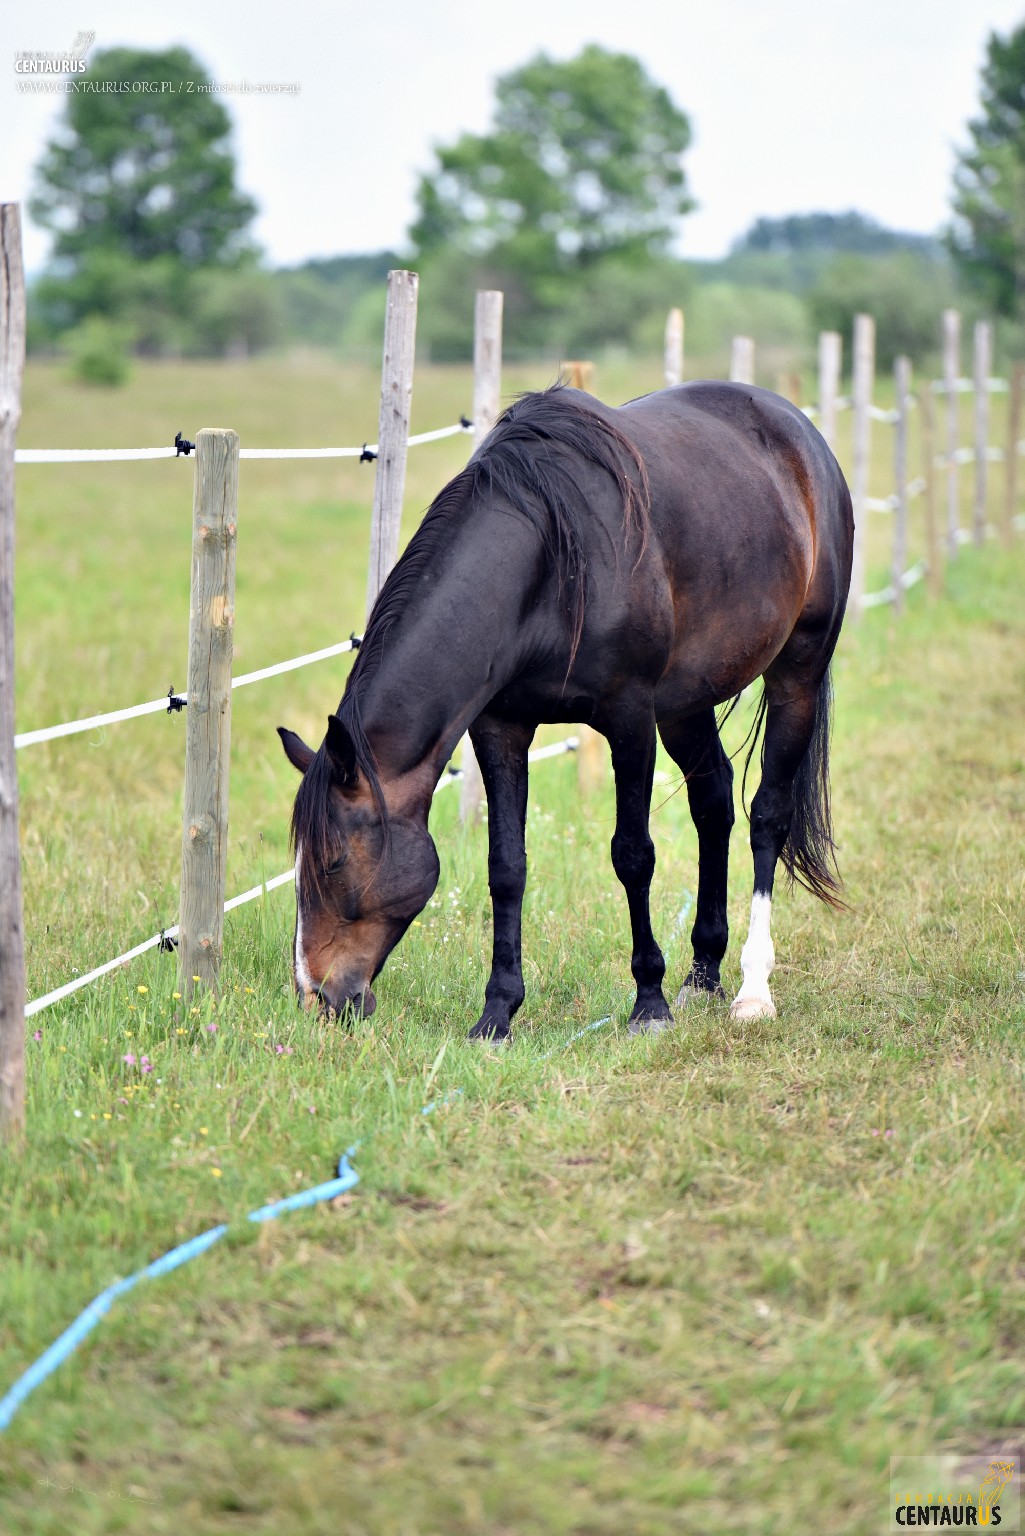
{"x":302,"y":973}
{"x":754,"y":1000}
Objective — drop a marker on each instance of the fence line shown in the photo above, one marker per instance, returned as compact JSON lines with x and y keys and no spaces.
{"x":171,"y":702}
{"x":121,"y":455}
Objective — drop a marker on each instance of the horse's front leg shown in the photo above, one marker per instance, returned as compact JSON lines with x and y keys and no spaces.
{"x":632,"y":739}
{"x":501,"y":750}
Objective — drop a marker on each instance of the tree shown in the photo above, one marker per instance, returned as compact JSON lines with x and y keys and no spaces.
{"x":904,"y":292}
{"x":583,"y":162}
{"x":138,"y":187}
{"x":988,"y":235}
{"x":833,"y":232}
{"x":143,"y":169}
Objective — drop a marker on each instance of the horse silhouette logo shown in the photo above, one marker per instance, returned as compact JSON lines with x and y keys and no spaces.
{"x":998,"y":1475}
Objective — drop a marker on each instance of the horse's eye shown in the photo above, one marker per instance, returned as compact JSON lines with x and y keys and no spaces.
{"x":335,"y":868}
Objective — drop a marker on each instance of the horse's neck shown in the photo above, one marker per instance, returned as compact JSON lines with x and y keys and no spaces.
{"x":450,"y":648}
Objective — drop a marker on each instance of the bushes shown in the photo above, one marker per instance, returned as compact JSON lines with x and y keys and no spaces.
{"x":154,"y":308}
{"x":99,"y":350}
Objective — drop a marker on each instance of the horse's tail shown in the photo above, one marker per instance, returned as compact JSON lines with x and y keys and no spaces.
{"x":809,"y":854}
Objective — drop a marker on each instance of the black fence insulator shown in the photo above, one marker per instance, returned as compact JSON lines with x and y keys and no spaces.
{"x":368,"y":455}
{"x":167,"y":944}
{"x":183,"y":446}
{"x":466,"y":423}
{"x":175,"y":702}
{"x":355,"y":640}
{"x":453,"y":771}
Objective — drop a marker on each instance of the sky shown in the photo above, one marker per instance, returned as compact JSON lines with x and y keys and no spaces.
{"x":795,"y":105}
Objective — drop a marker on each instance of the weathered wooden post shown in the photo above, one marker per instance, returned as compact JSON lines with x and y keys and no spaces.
{"x":864,"y":373}
{"x":902,"y":385}
{"x":934,"y":558}
{"x":830,"y":356}
{"x":208,"y":726}
{"x":980,"y":377}
{"x":1011,"y":462}
{"x":487,"y":393}
{"x":393,"y":431}
{"x":951,"y":360}
{"x":12,"y":921}
{"x":673,"y":353}
{"x":742,"y":360}
{"x":580,"y":373}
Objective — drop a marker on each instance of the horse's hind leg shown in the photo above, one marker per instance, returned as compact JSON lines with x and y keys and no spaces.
{"x":693,"y":744}
{"x":632,"y":740}
{"x":797,"y":714}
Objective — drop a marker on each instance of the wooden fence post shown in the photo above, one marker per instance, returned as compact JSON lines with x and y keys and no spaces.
{"x":951,"y":359}
{"x":12,"y":921}
{"x":830,"y":355}
{"x":487,"y":393}
{"x":864,"y":373}
{"x":673,"y":353}
{"x":393,"y":431}
{"x":580,"y":373}
{"x":980,"y":372}
{"x":208,"y":723}
{"x":902,"y":383}
{"x":742,"y":360}
{"x":1011,"y":463}
{"x":934,"y":559}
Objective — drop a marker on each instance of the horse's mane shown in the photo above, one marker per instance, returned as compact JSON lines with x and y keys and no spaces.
{"x":530,"y":460}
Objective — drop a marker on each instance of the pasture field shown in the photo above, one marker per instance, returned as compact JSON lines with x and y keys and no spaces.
{"x":709,"y":1280}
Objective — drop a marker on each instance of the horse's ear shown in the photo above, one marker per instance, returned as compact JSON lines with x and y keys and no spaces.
{"x":296,"y":750}
{"x":341,"y":751}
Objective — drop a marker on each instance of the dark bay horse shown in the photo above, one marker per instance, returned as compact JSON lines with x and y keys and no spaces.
{"x":632,"y":568}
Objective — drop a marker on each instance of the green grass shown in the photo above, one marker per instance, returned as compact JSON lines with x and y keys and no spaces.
{"x":711,"y":1280}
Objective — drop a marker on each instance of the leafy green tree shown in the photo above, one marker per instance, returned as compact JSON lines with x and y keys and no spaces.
{"x":143,"y":172}
{"x":988,"y":236}
{"x":583,"y":162}
{"x":905,"y":293}
{"x":150,"y":231}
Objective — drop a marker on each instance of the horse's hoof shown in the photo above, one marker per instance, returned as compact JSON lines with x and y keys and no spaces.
{"x":688,"y":995}
{"x":490,"y":1034}
{"x":744,"y":1008}
{"x":650,"y":1026}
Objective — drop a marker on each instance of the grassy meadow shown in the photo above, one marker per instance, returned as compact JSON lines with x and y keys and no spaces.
{"x":713,"y":1279}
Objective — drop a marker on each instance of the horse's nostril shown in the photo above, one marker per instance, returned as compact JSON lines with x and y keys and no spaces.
{"x":359,"y":1002}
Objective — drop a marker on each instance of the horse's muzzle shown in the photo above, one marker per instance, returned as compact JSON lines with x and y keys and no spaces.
{"x":344,"y":1002}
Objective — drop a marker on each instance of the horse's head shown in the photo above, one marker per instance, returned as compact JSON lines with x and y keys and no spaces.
{"x":362,"y":872}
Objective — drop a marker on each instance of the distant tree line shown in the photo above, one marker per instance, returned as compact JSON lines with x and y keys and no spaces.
{"x":570,"y":203}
